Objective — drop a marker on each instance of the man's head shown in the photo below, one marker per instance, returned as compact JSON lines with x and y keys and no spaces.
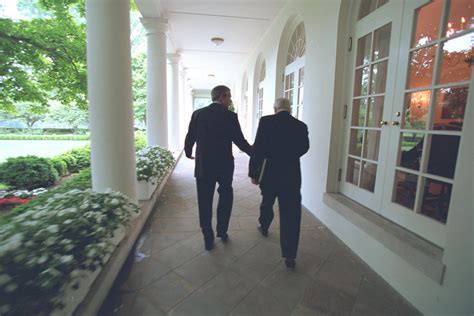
{"x":222,"y":95}
{"x":282,"y":104}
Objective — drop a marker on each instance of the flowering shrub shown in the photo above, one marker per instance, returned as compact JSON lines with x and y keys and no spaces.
{"x":153,"y":163}
{"x":7,"y":202}
{"x":47,"y":247}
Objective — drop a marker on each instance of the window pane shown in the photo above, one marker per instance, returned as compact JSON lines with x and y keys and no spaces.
{"x":455,"y":65}
{"x":461,"y":16}
{"x":363,"y":50}
{"x":375,"y":111}
{"x":289,"y":79}
{"x":301,"y":76}
{"x":371,"y":146}
{"x":361,"y":85}
{"x":436,"y":197}
{"x":443,"y":155}
{"x":355,"y":143}
{"x":449,"y":108}
{"x":382,"y":42}
{"x":421,"y":67}
{"x":427,"y":20}
{"x":359,"y":108}
{"x":353,"y":167}
{"x":379,"y":77}
{"x":411,"y":147}
{"x":366,"y":6}
{"x":416,"y":110}
{"x":367,"y":180}
{"x":300,"y":95}
{"x":405,"y":189}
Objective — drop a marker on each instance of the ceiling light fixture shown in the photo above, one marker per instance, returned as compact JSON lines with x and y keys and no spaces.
{"x":217,"y":41}
{"x":211,"y":75}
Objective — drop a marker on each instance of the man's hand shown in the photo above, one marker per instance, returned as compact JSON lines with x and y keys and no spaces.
{"x":254,"y":181}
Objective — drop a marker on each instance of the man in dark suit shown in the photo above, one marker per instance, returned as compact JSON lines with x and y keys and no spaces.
{"x":281,"y":140}
{"x":214,"y":128}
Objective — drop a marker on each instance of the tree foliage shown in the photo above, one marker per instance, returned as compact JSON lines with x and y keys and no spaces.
{"x":139,"y":87}
{"x":44,"y":58}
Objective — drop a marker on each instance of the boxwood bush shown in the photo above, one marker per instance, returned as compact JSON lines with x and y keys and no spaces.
{"x":28,"y":172}
{"x":82,"y":156}
{"x":60,"y":165}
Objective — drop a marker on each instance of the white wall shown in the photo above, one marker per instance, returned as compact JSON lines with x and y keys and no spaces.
{"x":322,"y":112}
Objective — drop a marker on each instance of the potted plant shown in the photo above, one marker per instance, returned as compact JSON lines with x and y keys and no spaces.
{"x":153,"y":163}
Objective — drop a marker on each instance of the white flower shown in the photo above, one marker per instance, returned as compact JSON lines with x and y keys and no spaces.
{"x":53,"y":229}
{"x":4,"y":309}
{"x":114,"y":202}
{"x":11,"y":243}
{"x":4,"y":279}
{"x":42,"y":259}
{"x":11,"y":287}
{"x":67,"y":258}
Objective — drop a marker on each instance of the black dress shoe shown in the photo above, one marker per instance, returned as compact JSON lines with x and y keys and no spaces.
{"x":263,"y":231}
{"x":208,"y":242}
{"x":224,"y":237}
{"x":290,"y":263}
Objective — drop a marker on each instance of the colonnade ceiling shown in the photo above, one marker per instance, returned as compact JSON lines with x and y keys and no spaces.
{"x":240,"y":23}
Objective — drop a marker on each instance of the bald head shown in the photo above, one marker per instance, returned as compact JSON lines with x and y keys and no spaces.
{"x":282,"y":104}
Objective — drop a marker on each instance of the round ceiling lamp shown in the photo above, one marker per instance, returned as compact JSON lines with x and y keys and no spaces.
{"x":217,"y":41}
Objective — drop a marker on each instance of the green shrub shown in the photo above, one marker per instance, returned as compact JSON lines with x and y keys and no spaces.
{"x":70,"y":160}
{"x":82,"y":156}
{"x":28,"y":172}
{"x":60,"y":165}
{"x":140,"y":140}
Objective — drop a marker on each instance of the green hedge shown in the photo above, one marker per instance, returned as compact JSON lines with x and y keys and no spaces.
{"x":42,"y":137}
{"x":28,"y":173}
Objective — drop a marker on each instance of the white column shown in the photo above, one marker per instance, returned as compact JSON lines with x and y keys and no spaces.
{"x":156,"y":116}
{"x":182,"y":92}
{"x":109,"y":83}
{"x":173,"y":103}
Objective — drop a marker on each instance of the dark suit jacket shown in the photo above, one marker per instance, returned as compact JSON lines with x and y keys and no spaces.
{"x":282,"y":140}
{"x":214,"y":128}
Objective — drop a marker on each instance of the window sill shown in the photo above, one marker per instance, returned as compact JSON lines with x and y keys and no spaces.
{"x":421,"y":254}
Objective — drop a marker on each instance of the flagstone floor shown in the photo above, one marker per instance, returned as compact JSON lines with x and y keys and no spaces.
{"x":170,"y":273}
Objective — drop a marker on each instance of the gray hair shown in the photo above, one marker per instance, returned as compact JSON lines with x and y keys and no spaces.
{"x":218,"y":91}
{"x":282,"y":104}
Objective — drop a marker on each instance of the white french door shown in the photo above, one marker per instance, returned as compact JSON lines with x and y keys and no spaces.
{"x":372,"y":72}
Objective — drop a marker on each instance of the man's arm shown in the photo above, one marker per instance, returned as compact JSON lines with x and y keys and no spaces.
{"x":258,"y":154}
{"x":190,"y":138}
{"x":304,"y":147}
{"x":238,"y":137}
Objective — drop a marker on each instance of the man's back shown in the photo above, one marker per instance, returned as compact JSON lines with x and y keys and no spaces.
{"x":214,"y":128}
{"x":282,"y":140}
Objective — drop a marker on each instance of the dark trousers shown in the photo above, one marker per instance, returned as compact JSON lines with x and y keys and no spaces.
{"x":205,"y":190}
{"x":290,"y":217}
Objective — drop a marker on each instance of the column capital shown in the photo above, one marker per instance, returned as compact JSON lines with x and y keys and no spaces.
{"x":155,"y":25}
{"x":173,"y":58}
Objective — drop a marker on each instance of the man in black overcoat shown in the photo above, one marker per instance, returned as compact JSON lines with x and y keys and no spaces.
{"x":214,"y":128}
{"x":281,"y":140}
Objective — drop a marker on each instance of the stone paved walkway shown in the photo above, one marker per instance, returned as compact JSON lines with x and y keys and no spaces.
{"x":171,"y":273}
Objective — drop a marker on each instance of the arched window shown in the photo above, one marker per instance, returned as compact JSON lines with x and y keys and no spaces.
{"x":294,"y":70}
